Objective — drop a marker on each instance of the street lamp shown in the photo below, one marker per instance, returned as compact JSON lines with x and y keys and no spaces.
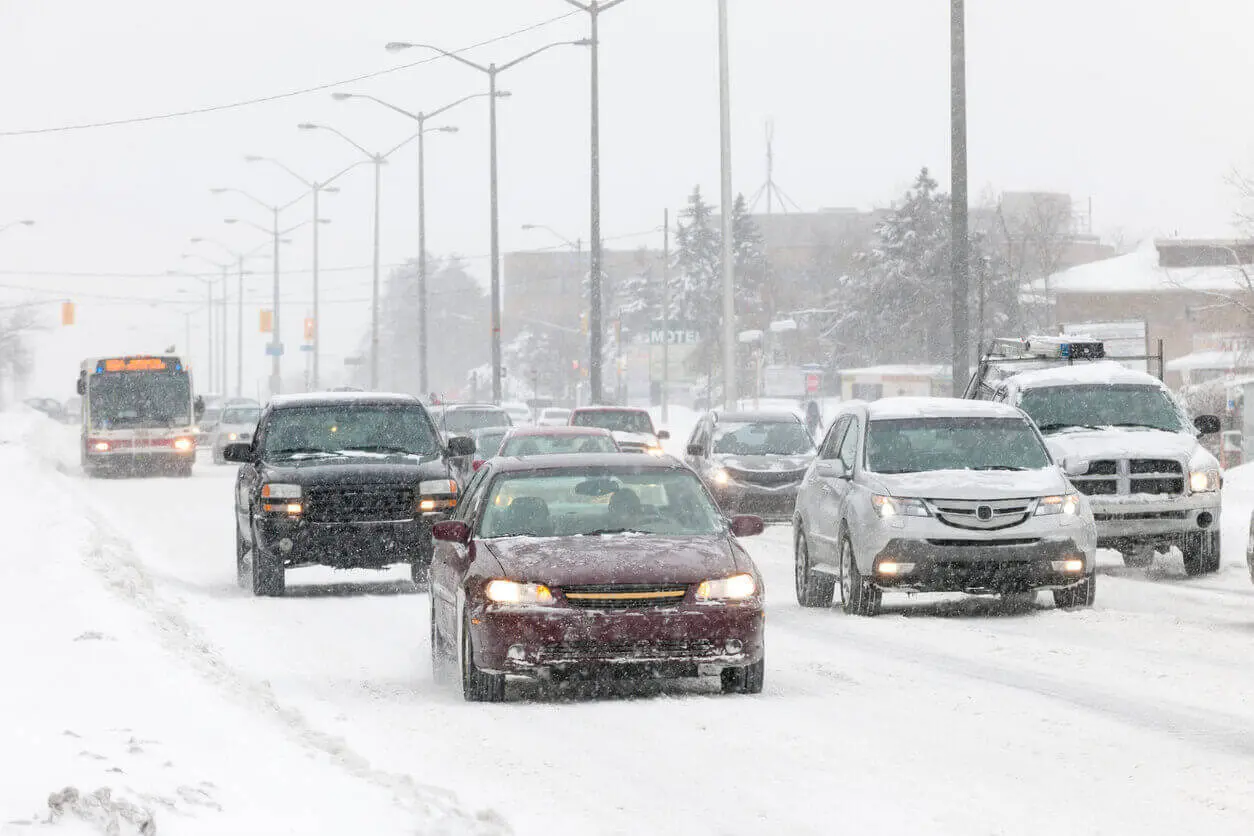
{"x":421,"y":119}
{"x":491,"y":71}
{"x":594,"y":9}
{"x":959,"y":243}
{"x":276,"y":345}
{"x":239,"y":259}
{"x":729,"y":245}
{"x":12,"y":224}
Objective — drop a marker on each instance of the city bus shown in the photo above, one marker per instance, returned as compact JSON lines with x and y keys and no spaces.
{"x":139,"y":415}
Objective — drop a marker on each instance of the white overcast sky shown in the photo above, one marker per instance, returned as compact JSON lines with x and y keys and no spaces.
{"x":1140,"y":106}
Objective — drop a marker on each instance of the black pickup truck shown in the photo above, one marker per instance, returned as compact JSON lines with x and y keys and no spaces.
{"x":347,"y":480}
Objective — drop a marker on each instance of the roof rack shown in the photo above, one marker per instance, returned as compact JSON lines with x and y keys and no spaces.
{"x":1044,"y":352}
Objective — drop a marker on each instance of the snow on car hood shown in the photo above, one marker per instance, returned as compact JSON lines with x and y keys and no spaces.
{"x":765,"y":464}
{"x":972,"y":484}
{"x":1120,"y":443}
{"x":621,"y":558}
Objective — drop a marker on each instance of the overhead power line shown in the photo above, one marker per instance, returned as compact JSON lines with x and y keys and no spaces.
{"x":198,"y":111}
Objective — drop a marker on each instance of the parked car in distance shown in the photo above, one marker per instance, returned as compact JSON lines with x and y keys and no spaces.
{"x":752,"y":462}
{"x":236,"y":425}
{"x":553,"y":416}
{"x":632,"y":428}
{"x":48,"y":406}
{"x":347,"y":480}
{"x":540,"y":441}
{"x":557,"y":566}
{"x":519,"y":413}
{"x":939,"y":495}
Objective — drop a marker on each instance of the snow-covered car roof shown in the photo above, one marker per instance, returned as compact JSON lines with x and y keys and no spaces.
{"x":1083,"y":373}
{"x":889,"y":408}
{"x":339,"y":398}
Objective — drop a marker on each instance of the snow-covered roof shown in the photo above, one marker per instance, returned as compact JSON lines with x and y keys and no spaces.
{"x":900,"y":370}
{"x":1081,"y":373}
{"x":1139,"y":272}
{"x":1205,"y":360}
{"x":311,"y":398}
{"x":886,"y":408}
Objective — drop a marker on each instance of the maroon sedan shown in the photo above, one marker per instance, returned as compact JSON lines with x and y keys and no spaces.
{"x":569,"y":564}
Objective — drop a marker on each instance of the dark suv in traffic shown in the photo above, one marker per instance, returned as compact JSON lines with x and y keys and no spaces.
{"x":346,"y":480}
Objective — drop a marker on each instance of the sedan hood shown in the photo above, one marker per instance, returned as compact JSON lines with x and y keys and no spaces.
{"x":1092,"y":445}
{"x":765,"y":464}
{"x":616,"y":558}
{"x":973,"y":484}
{"x":358,"y":469}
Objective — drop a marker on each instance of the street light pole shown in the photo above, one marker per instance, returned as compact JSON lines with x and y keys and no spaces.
{"x":237,"y":259}
{"x":276,"y":344}
{"x":960,"y":264}
{"x":729,"y":248}
{"x":374,"y":292}
{"x":491,"y":70}
{"x":666,"y":313}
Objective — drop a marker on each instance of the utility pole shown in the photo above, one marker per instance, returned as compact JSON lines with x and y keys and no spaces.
{"x":374,"y":281}
{"x":960,"y":264}
{"x":729,"y":247}
{"x":276,"y":344}
{"x":317,"y":346}
{"x":666,"y":313}
{"x":239,"y":332}
{"x":225,"y":364}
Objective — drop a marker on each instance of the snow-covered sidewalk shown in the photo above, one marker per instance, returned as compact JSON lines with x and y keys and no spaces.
{"x":118,"y":713}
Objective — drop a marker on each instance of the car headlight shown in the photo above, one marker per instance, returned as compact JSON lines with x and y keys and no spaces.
{"x":735,"y":588}
{"x":437,"y":487}
{"x":232,"y":436}
{"x":280,"y":490}
{"x":891,"y":506}
{"x":1204,"y":481}
{"x":655,"y":450}
{"x":720,"y":476}
{"x":1068,"y":504}
{"x":184,"y":444}
{"x":511,"y":592}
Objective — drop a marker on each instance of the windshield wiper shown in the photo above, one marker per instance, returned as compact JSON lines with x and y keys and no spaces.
{"x":1143,"y":426}
{"x":1053,"y":428}
{"x":998,"y":467}
{"x":603,"y":531}
{"x":302,"y":451}
{"x":379,"y":448}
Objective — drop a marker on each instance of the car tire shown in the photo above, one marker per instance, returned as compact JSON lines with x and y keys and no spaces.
{"x":241,"y":559}
{"x":1080,"y":596}
{"x":1139,"y":558}
{"x":440,"y":657}
{"x":478,"y":686}
{"x":857,"y":596}
{"x":813,"y":589}
{"x":1201,"y":552}
{"x":269,"y":576}
{"x":746,"y":680}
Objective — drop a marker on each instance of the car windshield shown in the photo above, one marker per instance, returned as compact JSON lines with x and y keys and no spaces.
{"x":910,"y":445}
{"x":556,"y":415}
{"x":241,"y":415}
{"x":615,"y":420}
{"x":599,"y":501}
{"x":488,"y":442}
{"x":763,"y":438}
{"x":139,"y":399}
{"x":456,"y":421}
{"x":1056,"y":408}
{"x":330,"y":430}
{"x":539,"y":444}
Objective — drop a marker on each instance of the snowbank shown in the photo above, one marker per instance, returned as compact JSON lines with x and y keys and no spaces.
{"x":122,"y":718}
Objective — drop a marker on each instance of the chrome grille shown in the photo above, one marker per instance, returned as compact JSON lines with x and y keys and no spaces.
{"x":983,"y":515}
{"x":625,"y":596}
{"x":766,"y":477}
{"x":627,"y":649}
{"x":361,"y":503}
{"x":1123,"y":477}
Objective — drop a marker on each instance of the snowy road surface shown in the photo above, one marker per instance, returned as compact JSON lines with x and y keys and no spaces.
{"x":944,"y":715}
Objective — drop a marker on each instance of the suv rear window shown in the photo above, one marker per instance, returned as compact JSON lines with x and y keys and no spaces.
{"x":615,"y":420}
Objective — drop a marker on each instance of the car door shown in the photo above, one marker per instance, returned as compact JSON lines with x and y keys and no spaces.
{"x":451,"y":560}
{"x":820,"y":494}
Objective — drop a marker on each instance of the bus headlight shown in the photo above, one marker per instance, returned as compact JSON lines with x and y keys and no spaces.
{"x":184,"y":445}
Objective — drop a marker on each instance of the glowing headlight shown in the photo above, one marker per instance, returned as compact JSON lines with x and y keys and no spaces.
{"x":891,"y":506}
{"x":232,"y":436}
{"x":1204,"y":481}
{"x":101,"y":447}
{"x":279,"y":490}
{"x":512,"y":592}
{"x":655,"y":450}
{"x":720,"y":476}
{"x":735,"y":588}
{"x":183,"y":444}
{"x":1068,"y":504}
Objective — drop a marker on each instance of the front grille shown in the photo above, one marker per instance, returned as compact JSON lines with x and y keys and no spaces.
{"x":983,"y":544}
{"x":1143,"y":515}
{"x":766,"y":477}
{"x":626,"y":649}
{"x":1123,"y":477}
{"x":362,"y":503}
{"x":982,"y":515}
{"x":625,"y":596}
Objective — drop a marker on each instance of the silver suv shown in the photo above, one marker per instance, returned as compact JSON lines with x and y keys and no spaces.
{"x":939,"y":495}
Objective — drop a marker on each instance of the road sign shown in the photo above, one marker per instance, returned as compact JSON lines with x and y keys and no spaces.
{"x":307,"y":347}
{"x":267,"y":322}
{"x":274,"y":349}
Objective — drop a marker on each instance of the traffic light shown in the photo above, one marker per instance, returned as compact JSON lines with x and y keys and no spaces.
{"x":267,"y":322}
{"x":309,"y":329}
{"x":583,"y":323}
{"x":67,"y":313}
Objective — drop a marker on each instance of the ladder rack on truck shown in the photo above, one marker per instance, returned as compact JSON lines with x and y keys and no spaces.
{"x":1043,"y":353}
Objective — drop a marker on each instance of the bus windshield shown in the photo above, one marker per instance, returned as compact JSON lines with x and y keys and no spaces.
{"x":122,"y":400}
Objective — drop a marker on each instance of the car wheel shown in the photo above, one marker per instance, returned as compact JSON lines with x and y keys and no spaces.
{"x":241,"y":559}
{"x":1201,"y":553}
{"x":439,"y":653}
{"x":269,"y":576}
{"x":478,"y":686}
{"x":746,"y":680}
{"x":1139,"y":557}
{"x":857,"y":597}
{"x":813,"y":589}
{"x":1077,"y":597}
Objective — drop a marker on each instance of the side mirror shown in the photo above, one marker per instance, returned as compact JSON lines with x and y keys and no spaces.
{"x":476,"y":464}
{"x":663,"y":435}
{"x":1207,"y":424}
{"x":1075,"y":467}
{"x":747,"y":525}
{"x":81,"y":386}
{"x":461,"y":445}
{"x":831,"y":469}
{"x":199,"y":406}
{"x":451,"y":531}
{"x":696,"y":450}
{"x":238,"y":453}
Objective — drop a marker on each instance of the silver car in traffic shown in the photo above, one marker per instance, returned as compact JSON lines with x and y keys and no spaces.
{"x":939,"y":495}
